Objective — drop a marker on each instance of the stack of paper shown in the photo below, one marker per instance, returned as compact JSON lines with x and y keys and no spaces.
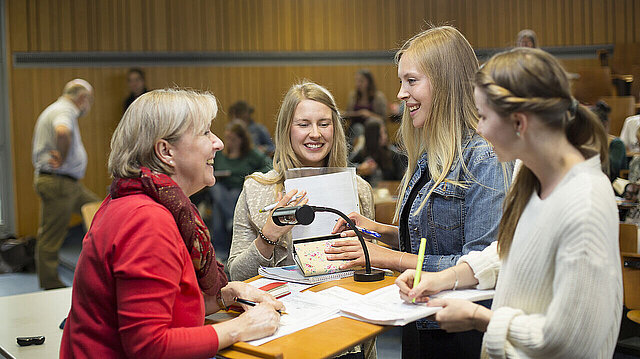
{"x":385,"y":307}
{"x":293,"y":273}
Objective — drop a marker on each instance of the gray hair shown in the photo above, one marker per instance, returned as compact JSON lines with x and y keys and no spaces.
{"x":160,"y":114}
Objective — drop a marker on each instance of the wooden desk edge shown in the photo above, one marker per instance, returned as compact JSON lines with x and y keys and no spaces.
{"x":630,"y":254}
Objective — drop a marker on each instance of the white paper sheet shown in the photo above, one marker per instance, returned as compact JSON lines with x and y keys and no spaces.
{"x":334,"y":190}
{"x":385,"y":307}
{"x":303,"y":310}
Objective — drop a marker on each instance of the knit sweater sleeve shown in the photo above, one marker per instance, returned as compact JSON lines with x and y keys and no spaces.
{"x":485,"y":265}
{"x":244,"y":257}
{"x":147,"y":266}
{"x":587,"y":293}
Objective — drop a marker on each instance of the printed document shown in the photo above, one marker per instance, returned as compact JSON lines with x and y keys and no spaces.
{"x":385,"y":307}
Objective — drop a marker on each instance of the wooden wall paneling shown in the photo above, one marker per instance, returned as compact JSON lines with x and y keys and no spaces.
{"x":209,"y":25}
{"x":471,"y":21}
{"x":172,"y":25}
{"x":618,"y":21}
{"x":599,"y":22}
{"x":134,"y":25}
{"x":611,"y":21}
{"x":482,"y":30}
{"x":82,"y":25}
{"x":587,"y":29}
{"x":65,"y":26}
{"x":636,"y":26}
{"x":18,"y":26}
{"x":101,"y":29}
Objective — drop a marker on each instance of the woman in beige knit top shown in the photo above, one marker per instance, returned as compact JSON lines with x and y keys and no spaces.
{"x":309,"y":133}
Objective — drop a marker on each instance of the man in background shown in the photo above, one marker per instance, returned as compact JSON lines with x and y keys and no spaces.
{"x":135,"y":82}
{"x":60,"y":161}
{"x":259,"y":133}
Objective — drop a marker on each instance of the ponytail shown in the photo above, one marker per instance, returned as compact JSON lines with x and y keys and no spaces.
{"x":531,"y":80}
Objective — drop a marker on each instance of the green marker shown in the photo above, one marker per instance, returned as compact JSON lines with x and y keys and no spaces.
{"x":416,"y":278}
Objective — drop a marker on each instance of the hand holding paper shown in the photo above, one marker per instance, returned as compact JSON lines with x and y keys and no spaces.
{"x":459,"y":315}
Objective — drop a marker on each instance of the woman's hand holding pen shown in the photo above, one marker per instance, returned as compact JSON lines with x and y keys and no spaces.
{"x":249,"y":292}
{"x":389,"y":234}
{"x":430,"y":283}
{"x":256,"y":322}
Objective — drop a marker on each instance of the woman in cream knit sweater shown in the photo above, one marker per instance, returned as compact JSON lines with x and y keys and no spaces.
{"x":556,"y":264}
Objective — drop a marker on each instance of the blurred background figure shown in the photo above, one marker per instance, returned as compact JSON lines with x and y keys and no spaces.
{"x":365,"y":101}
{"x":527,"y":38}
{"x":377,"y":160}
{"x":634,"y":165}
{"x":259,"y":133}
{"x":617,"y":151}
{"x":238,"y":159}
{"x":60,"y":162}
{"x":135,"y":82}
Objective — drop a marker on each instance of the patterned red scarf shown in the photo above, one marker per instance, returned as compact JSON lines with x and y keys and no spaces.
{"x":195,"y":234}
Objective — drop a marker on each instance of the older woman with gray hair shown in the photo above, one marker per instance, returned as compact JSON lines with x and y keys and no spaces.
{"x":147,"y":274}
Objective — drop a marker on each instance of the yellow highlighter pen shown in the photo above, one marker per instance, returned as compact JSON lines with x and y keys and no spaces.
{"x":416,"y":278}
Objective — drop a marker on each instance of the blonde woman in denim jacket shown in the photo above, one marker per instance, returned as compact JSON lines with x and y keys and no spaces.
{"x":453,"y":189}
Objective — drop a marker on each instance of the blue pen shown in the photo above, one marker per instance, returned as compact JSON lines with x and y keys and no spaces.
{"x":367,"y":231}
{"x":373,"y":233}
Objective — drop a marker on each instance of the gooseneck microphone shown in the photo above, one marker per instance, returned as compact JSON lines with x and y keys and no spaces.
{"x":304,"y":215}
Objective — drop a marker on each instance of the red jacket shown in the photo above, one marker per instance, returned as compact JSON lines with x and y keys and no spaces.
{"x":135,"y":292}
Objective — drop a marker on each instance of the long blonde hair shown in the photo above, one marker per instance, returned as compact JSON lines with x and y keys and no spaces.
{"x":446,"y":57}
{"x":284,"y":157}
{"x":532,"y":81}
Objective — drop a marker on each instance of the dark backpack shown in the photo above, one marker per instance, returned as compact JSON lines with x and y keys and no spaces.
{"x":17,"y":254}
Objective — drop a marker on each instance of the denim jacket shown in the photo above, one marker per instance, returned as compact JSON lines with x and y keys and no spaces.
{"x":457,"y":220}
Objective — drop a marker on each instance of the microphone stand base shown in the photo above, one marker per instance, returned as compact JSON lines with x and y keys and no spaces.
{"x":362,"y":275}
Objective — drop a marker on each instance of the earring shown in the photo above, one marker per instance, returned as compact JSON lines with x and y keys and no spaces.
{"x":518,"y":133}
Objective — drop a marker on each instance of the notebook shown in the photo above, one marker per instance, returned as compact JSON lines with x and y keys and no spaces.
{"x":310,"y":256}
{"x":293,"y":273}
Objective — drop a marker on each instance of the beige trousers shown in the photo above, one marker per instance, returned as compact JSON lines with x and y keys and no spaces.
{"x":60,"y":197}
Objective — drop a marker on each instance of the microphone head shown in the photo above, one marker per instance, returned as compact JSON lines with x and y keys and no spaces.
{"x":305,"y":215}
{"x":285,"y":216}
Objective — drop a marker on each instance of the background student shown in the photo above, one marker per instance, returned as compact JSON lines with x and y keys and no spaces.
{"x":556,"y":264}
{"x":453,"y":189}
{"x":238,"y":159}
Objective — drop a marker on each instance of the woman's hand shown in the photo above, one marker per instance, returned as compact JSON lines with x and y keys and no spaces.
{"x":460,"y":315}
{"x":359,"y":220}
{"x":249,"y":292}
{"x":257,"y":322}
{"x":430,"y":283}
{"x":272,"y":231}
{"x":351,"y":249}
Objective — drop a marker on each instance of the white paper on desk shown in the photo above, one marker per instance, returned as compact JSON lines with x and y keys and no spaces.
{"x":334,"y":190}
{"x":385,"y":307}
{"x":304,"y":310}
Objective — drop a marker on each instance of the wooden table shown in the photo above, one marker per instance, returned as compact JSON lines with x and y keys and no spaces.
{"x":38,"y":313}
{"x":319,"y":341}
